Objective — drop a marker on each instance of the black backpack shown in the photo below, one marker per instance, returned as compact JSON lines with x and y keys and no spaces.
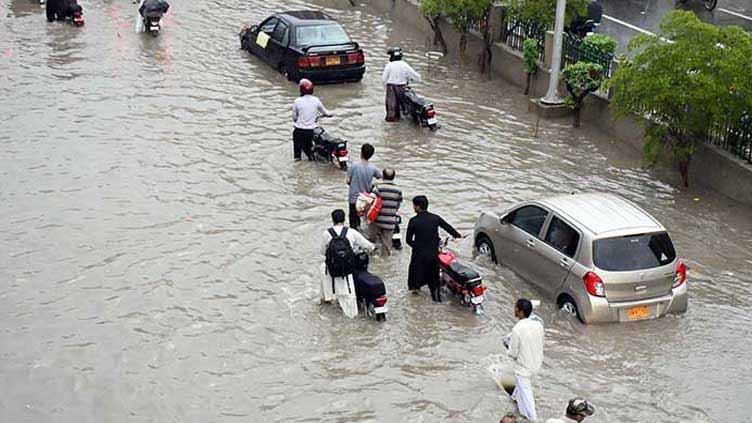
{"x":340,"y":259}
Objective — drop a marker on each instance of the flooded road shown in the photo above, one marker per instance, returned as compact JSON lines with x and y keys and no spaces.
{"x":158,"y":245}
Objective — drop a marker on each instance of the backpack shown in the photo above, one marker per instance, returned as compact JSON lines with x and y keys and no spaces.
{"x":340,"y":259}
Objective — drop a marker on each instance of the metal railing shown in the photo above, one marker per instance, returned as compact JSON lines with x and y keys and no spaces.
{"x":574,"y":50}
{"x":514,"y":33}
{"x":735,"y":138}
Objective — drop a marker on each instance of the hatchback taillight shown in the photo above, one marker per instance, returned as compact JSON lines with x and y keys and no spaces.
{"x":379,"y":302}
{"x":303,"y":62}
{"x":681,"y":274}
{"x":594,"y":284}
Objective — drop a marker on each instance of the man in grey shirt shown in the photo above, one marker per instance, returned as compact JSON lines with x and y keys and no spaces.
{"x":360,"y":179}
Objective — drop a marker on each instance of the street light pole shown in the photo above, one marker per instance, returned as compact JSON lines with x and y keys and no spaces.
{"x":551,"y":97}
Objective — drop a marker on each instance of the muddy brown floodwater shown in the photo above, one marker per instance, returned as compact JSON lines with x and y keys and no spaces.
{"x":157,"y":243}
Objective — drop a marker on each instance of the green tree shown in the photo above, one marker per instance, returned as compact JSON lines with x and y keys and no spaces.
{"x":692,"y":77}
{"x":462,"y":14}
{"x":544,"y":11}
{"x":581,"y":79}
{"x":530,"y":54}
{"x":603,"y":43}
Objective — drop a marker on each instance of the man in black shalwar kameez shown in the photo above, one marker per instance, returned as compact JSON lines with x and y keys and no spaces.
{"x":423,"y":237}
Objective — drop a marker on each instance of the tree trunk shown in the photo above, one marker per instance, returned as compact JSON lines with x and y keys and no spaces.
{"x":463,"y":45}
{"x":527,"y":83}
{"x":576,"y":122}
{"x":684,"y":171}
{"x":487,"y":55}
{"x":438,"y":37}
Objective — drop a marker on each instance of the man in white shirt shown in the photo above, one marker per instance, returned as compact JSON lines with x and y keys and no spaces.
{"x":342,"y":288}
{"x":305,"y":110}
{"x":577,"y":410}
{"x":397,"y":74}
{"x":526,"y":349}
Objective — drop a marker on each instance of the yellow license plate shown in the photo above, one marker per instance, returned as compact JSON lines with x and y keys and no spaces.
{"x":332,"y":61}
{"x":638,"y":313}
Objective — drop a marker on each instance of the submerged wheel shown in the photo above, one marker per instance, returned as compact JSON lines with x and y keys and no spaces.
{"x":568,"y":305}
{"x":485,"y":248}
{"x":381,"y":317}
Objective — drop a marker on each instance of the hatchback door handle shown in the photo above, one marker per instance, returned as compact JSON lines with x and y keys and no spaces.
{"x":531,"y":243}
{"x":564,"y":263}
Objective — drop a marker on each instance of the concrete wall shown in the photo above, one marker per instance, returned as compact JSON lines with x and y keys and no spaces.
{"x":711,"y":167}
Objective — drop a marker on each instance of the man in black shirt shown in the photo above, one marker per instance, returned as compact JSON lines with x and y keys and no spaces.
{"x":423,"y":238}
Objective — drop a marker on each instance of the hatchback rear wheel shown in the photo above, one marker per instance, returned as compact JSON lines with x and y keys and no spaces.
{"x":569,"y":307}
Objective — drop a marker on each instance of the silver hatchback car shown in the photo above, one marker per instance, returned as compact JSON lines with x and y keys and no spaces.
{"x":600,"y":257}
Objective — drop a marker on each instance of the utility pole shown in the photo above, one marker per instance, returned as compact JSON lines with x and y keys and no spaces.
{"x":551,"y":98}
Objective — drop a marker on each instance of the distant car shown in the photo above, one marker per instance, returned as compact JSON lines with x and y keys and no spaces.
{"x":306,"y":44}
{"x":600,"y":257}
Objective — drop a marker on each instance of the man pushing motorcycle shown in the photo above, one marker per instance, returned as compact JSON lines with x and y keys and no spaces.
{"x":397,"y":74}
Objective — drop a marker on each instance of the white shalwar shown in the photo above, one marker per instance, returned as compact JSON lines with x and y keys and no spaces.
{"x":344,"y":287}
{"x":526,"y":349}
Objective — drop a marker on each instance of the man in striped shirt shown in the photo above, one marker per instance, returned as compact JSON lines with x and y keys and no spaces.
{"x":380,"y":231}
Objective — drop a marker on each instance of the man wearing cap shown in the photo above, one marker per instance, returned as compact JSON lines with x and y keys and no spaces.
{"x":577,"y":410}
{"x":526,"y":349}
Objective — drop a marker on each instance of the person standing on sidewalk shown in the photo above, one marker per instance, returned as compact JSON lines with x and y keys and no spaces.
{"x":305,"y":110}
{"x":382,"y":229}
{"x":423,"y":237}
{"x":397,"y":74}
{"x":526,"y":349}
{"x":360,"y":179}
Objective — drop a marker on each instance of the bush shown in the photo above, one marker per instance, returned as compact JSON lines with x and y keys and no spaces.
{"x":530,"y":55}
{"x":604,"y":43}
{"x":581,"y":79}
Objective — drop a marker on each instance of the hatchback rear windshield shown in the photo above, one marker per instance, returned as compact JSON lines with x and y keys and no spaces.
{"x":633,"y":252}
{"x":316,"y":35}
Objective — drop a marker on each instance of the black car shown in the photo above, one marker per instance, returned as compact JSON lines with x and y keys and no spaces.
{"x":306,"y":44}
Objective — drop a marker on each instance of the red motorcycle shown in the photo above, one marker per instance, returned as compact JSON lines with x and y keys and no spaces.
{"x":461,"y":279}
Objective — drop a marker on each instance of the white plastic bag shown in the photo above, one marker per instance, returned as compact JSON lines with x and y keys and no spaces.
{"x":503,"y":376}
{"x":344,"y":290}
{"x":363,"y":203}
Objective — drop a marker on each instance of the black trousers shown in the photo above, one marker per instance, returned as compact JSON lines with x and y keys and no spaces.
{"x":302,"y":139}
{"x":424,"y":270}
{"x":354,"y":218}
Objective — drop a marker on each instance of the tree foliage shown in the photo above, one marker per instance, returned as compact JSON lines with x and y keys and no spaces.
{"x":544,"y":11}
{"x":581,"y":79}
{"x":462,"y":14}
{"x":606,"y":44}
{"x":690,"y":78}
{"x":530,"y":55}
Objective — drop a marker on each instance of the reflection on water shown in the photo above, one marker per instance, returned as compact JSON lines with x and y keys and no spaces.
{"x":158,"y":244}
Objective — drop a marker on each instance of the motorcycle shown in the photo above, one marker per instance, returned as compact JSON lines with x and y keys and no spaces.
{"x":153,"y":23}
{"x":709,"y":4}
{"x":152,"y":12}
{"x":328,"y":148}
{"x":369,"y":289}
{"x":461,"y":279}
{"x":420,"y":109}
{"x":582,"y":26}
{"x":77,"y":16}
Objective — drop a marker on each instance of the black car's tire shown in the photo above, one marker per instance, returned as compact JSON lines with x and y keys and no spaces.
{"x":569,"y":306}
{"x":291,"y":75}
{"x":485,"y":247}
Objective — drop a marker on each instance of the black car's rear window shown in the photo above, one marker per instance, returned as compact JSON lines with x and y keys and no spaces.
{"x":316,"y":35}
{"x":634,"y":252}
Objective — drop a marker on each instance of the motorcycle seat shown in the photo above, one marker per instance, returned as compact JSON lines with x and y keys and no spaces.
{"x":368,"y":286}
{"x":463,"y":274}
{"x":415,"y":98}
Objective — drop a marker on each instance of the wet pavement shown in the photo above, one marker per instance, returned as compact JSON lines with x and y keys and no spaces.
{"x":158,"y":245}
